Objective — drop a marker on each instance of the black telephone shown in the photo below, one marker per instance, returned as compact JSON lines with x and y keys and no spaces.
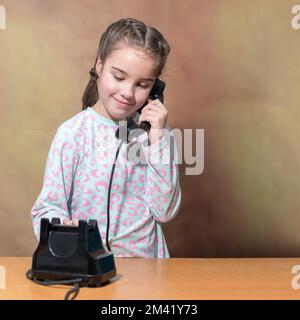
{"x":155,"y":93}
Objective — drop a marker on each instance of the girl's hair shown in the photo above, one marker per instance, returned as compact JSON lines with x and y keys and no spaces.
{"x":133,"y":33}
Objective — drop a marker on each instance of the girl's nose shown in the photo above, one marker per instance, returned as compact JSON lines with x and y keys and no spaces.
{"x":127,"y":92}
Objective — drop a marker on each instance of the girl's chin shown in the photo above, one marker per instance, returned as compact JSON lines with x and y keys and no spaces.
{"x":118,"y":115}
{"x":121,"y":113}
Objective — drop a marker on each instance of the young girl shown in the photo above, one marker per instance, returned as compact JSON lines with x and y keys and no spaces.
{"x":130,"y":58}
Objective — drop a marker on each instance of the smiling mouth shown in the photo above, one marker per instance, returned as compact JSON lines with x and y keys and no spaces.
{"x":124,"y":104}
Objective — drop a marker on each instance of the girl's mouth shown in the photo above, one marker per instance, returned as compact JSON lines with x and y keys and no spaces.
{"x":122,"y":105}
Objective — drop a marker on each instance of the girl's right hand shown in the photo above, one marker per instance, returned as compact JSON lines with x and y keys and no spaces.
{"x":69,"y":222}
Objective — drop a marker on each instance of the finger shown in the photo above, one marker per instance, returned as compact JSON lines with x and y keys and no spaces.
{"x":147,"y":107}
{"x":158,"y":107}
{"x":153,"y":100}
{"x":67,"y":222}
{"x":151,"y":113}
{"x":149,"y":118}
{"x":75,"y":222}
{"x":156,"y":102}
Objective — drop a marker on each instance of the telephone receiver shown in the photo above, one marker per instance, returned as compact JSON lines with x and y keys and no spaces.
{"x":155,"y":93}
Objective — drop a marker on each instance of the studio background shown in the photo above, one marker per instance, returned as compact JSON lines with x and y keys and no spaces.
{"x":234,"y":71}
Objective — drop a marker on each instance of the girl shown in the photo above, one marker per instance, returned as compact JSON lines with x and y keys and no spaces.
{"x":130,"y":58}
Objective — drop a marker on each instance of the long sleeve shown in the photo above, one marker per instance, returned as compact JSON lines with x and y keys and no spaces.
{"x":53,"y":200}
{"x":163,"y":191}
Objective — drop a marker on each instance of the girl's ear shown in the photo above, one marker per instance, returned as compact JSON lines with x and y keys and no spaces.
{"x":98,"y":66}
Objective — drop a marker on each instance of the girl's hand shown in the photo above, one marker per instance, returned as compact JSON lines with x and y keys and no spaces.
{"x":69,"y":222}
{"x":156,"y":114}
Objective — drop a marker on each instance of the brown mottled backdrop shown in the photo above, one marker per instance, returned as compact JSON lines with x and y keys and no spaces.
{"x":234,"y":71}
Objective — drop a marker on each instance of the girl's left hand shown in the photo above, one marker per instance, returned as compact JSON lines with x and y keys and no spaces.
{"x":156,"y":114}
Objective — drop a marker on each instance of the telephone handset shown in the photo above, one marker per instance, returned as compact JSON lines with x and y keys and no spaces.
{"x":155,"y":93}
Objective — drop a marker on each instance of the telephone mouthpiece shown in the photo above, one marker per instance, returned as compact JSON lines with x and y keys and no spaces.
{"x":145,"y":125}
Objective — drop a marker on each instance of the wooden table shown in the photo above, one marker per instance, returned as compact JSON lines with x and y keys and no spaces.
{"x":175,"y":278}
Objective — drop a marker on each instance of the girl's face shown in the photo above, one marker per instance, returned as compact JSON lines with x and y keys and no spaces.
{"x":125,"y":81}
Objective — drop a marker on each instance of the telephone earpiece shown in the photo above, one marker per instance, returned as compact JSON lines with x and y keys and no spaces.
{"x":156,"y":93}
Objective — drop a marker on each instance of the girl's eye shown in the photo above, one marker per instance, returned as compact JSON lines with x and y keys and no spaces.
{"x":117,"y":78}
{"x":140,"y":85}
{"x":143,"y":86}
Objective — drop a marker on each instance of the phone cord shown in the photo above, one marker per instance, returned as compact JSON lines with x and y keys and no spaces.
{"x":108,"y":196}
